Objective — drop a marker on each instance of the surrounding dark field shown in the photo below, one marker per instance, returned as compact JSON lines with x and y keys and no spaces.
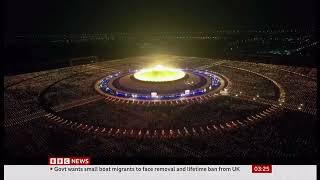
{"x":59,"y":113}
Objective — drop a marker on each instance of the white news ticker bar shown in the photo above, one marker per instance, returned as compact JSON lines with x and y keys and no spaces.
{"x":41,"y":172}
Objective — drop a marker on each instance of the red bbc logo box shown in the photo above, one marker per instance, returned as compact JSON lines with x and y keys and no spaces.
{"x":68,"y":160}
{"x":262,"y":168}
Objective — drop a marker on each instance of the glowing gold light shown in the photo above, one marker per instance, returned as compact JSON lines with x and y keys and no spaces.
{"x":159,"y":73}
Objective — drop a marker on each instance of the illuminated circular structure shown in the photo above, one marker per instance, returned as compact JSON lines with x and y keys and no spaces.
{"x":160,"y":84}
{"x":159,"y":73}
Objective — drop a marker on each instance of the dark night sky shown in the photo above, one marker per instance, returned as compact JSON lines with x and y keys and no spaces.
{"x":57,"y":16}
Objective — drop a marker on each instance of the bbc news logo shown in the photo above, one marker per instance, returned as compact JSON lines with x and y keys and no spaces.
{"x":69,"y":160}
